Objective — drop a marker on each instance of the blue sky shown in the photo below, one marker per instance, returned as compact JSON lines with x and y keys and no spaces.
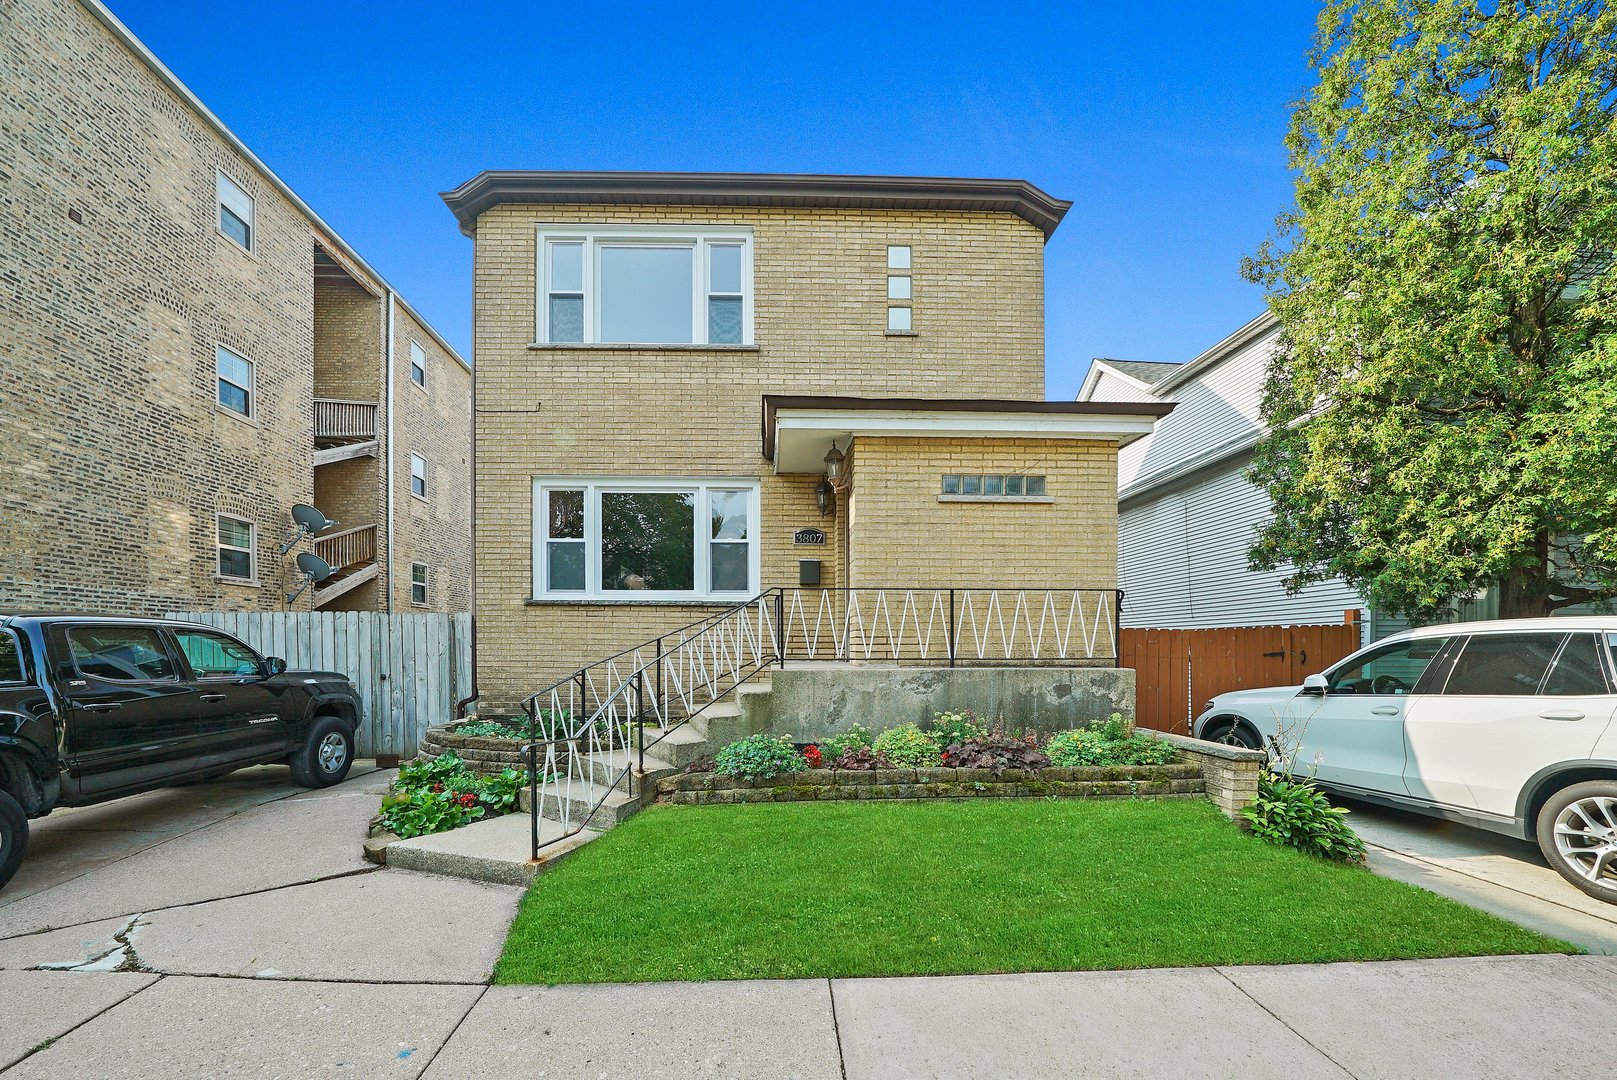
{"x":1161,"y":119}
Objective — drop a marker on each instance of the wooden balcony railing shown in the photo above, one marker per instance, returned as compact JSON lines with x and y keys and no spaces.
{"x":337,"y":419}
{"x":348,"y":548}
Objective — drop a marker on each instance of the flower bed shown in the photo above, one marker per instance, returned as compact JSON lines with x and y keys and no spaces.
{"x":1174,"y":780}
{"x":433,"y":795}
{"x":484,"y":754}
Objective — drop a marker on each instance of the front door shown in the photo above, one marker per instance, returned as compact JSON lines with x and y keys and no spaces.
{"x":1512,"y":704}
{"x":1353,"y":735}
{"x":129,"y":715}
{"x":238,"y":716}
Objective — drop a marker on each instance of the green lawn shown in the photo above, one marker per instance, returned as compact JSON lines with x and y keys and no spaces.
{"x":821,"y":890}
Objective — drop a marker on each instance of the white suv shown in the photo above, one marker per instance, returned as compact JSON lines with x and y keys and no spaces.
{"x":1502,"y":725}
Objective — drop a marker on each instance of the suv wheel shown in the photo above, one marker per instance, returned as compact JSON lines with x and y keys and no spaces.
{"x":1577,"y":832}
{"x":1236,"y":735}
{"x":13,"y":836}
{"x":327,"y":754}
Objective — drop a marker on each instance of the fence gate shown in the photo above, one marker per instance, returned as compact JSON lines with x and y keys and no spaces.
{"x":1176,"y":671}
{"x":409,"y":669}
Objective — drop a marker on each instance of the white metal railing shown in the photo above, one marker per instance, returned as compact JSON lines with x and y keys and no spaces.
{"x":950,"y":626}
{"x":338,"y":419}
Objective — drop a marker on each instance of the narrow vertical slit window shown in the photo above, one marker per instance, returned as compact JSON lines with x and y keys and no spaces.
{"x":730,"y":553}
{"x":418,"y":364}
{"x":566,"y":300}
{"x":235,"y":381}
{"x":724,"y":294}
{"x":418,"y":476}
{"x":235,"y":212}
{"x":564,"y":540}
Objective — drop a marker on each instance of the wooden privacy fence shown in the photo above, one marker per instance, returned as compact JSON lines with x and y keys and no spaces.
{"x":409,"y":669}
{"x":1176,"y":671}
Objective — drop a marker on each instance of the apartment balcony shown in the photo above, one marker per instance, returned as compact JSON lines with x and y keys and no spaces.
{"x":343,"y":430}
{"x":352,"y":556}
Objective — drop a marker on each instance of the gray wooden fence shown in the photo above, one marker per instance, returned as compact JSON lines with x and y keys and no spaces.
{"x":409,"y":669}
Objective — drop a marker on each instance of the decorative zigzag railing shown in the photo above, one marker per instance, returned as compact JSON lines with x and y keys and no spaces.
{"x":590,"y":731}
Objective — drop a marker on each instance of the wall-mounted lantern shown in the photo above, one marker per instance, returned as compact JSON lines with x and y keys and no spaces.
{"x":826,"y":496}
{"x":835,"y":460}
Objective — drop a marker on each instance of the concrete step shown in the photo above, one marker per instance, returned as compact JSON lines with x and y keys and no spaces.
{"x":495,"y":850}
{"x":576,"y":798}
{"x":606,"y":767}
{"x":718,"y":712}
{"x":679,"y":747}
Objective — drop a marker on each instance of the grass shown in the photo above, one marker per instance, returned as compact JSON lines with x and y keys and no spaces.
{"x":825,"y":890}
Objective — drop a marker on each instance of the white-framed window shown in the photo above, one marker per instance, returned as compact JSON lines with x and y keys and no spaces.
{"x":418,"y":364}
{"x":418,"y":583}
{"x":236,"y":540}
{"x":235,"y":382}
{"x":236,"y":218}
{"x":632,"y":539}
{"x":646,"y":285}
{"x":418,"y":476}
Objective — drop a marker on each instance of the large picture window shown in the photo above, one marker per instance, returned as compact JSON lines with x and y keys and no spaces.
{"x":629,"y":540}
{"x":652,"y":285}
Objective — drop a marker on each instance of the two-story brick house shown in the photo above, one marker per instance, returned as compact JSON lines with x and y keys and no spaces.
{"x":189,"y":350}
{"x":669,"y":367}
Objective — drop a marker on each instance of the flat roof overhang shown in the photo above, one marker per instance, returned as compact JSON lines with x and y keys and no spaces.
{"x":495,"y":187}
{"x":799,"y":430}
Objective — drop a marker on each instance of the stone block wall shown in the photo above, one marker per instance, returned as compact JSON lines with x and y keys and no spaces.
{"x":1230,"y":772}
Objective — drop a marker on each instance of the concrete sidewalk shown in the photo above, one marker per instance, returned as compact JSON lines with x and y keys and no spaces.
{"x":1500,"y":1018}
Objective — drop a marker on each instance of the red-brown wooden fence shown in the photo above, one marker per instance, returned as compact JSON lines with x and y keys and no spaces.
{"x":1176,"y":671}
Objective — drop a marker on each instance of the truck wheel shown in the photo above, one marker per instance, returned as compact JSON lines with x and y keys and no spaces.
{"x":13,"y":836}
{"x":327,"y":754}
{"x":1577,"y":832}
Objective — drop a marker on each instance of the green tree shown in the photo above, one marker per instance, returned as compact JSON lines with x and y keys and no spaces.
{"x":1443,"y":400}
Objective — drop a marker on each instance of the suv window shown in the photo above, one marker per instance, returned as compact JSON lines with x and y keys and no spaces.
{"x":1391,"y":669}
{"x":214,"y":656}
{"x":1503,"y":665}
{"x":10,"y":659}
{"x":1577,"y":671}
{"x":120,"y":653}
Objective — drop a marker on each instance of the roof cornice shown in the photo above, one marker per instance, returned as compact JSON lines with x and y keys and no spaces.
{"x":492,"y":188}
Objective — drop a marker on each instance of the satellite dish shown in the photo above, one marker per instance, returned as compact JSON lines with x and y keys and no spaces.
{"x":313,"y":566}
{"x":310,"y":519}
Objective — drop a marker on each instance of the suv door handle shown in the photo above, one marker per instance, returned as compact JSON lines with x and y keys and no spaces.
{"x":101,"y":706}
{"x":1385,"y":710}
{"x":215,"y":696}
{"x":1561,"y":714}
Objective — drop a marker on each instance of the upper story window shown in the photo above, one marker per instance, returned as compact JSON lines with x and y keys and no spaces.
{"x":651,"y":285}
{"x":235,"y":385}
{"x":236,"y":213}
{"x":418,"y":364}
{"x":900,"y":290}
{"x":235,"y":539}
{"x":418,"y":476}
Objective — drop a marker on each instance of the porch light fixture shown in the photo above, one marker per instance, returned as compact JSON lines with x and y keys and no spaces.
{"x":826,"y":496}
{"x":835,"y":460}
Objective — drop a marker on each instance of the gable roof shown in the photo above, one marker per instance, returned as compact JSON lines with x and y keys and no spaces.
{"x":491,"y":188}
{"x":1143,"y":371}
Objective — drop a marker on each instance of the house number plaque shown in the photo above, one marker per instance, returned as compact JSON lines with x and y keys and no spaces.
{"x":809,"y":536}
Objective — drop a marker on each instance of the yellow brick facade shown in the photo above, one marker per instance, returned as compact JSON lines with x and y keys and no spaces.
{"x":820,"y":327}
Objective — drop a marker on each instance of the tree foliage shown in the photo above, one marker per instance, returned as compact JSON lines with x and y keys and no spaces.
{"x":1443,"y":399}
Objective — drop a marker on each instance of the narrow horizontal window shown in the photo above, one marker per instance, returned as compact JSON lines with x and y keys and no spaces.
{"x":992,"y":486}
{"x":650,"y":285}
{"x":645,"y":539}
{"x":235,"y":212}
{"x":235,"y":381}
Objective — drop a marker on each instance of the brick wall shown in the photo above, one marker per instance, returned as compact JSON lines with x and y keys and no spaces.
{"x":820,"y":279}
{"x":902,"y":534}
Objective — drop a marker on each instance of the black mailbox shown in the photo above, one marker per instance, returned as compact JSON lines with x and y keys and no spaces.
{"x":808,"y":571}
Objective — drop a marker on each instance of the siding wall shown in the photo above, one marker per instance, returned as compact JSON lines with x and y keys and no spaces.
{"x":1109,"y":387}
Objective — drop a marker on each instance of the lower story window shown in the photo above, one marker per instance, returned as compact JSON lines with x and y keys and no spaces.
{"x":418,"y":583}
{"x":235,"y":542}
{"x":652,"y":539}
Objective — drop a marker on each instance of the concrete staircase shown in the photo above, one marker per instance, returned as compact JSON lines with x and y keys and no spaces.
{"x":726,"y":720}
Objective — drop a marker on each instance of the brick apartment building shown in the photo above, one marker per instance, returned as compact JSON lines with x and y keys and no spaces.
{"x":667,"y":361}
{"x":187,"y":350}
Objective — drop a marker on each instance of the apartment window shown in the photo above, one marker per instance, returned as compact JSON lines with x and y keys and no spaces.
{"x":418,"y":365}
{"x":235,"y":381}
{"x":651,"y":539}
{"x":418,"y":583}
{"x":235,"y":212}
{"x":652,"y":285}
{"x":900,"y":290}
{"x":418,"y":476}
{"x":993,"y":486}
{"x":235,"y":540}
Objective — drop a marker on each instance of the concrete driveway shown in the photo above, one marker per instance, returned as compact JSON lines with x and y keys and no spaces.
{"x":231,"y":930}
{"x":1495,"y":873}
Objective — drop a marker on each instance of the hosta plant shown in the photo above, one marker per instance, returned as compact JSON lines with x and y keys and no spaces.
{"x":758,"y":757}
{"x":856,"y":737}
{"x":1294,"y":813}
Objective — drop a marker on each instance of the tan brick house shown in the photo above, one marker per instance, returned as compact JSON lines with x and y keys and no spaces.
{"x":187,"y":350}
{"x":669,"y":367}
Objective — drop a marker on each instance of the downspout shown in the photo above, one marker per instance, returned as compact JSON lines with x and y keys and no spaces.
{"x":471,"y":524}
{"x":387,"y":458}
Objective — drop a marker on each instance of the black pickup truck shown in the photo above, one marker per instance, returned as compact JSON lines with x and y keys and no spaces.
{"x":93,"y":708}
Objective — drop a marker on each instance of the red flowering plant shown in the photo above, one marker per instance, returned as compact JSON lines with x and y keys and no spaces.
{"x":811,"y":754}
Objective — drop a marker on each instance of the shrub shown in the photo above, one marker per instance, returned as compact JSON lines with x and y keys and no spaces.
{"x":855,"y":738}
{"x":758,"y":757}
{"x":437,"y":794}
{"x":422,"y":811}
{"x":1106,"y":743}
{"x":996,"y":752}
{"x":908,"y":747}
{"x":1295,"y":813}
{"x":490,"y":729}
{"x":860,"y":759}
{"x":956,"y":727}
